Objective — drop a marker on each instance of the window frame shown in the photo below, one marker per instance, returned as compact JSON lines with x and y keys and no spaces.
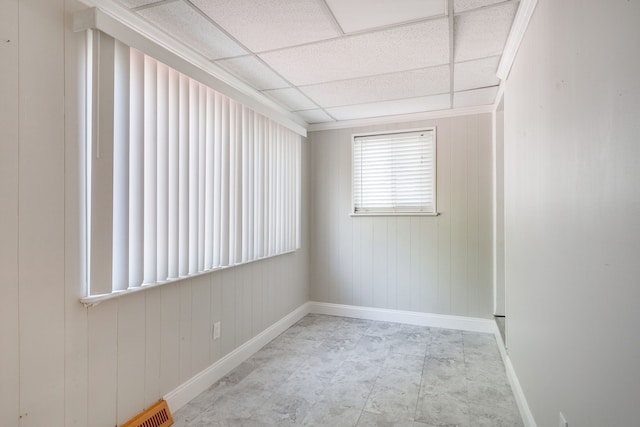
{"x":355,"y":213}
{"x":285,"y":144}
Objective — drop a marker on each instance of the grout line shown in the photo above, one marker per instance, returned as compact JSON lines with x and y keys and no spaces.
{"x":425,"y":358}
{"x":424,"y":365}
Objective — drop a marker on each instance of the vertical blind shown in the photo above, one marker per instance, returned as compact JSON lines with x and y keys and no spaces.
{"x":183,"y":179}
{"x":394,"y":173}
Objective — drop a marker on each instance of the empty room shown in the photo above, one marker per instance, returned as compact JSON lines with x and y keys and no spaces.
{"x":359,"y":213}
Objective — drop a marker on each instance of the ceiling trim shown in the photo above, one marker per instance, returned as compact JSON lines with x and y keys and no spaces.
{"x":122,"y":23}
{"x":518,"y":29}
{"x":499,"y":97}
{"x":402,"y":118}
{"x":452,"y":56}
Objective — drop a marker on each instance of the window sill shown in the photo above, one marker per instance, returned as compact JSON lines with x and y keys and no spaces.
{"x":92,"y":300}
{"x":395,"y":214}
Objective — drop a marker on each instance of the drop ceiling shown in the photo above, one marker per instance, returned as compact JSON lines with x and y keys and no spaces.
{"x":334,"y":60}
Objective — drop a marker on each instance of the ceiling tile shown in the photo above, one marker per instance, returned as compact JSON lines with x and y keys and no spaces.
{"x":350,"y":16}
{"x":462,"y":5}
{"x":469,"y":98}
{"x":254,"y":72}
{"x":291,"y":98}
{"x":476,"y":74}
{"x":390,"y":108}
{"x":314,"y":116}
{"x":403,"y":48}
{"x":271,"y":24}
{"x":405,"y":84}
{"x":483,"y":32}
{"x":188,"y":26}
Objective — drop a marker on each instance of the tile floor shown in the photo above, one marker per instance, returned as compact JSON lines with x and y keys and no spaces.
{"x":335,"y":371}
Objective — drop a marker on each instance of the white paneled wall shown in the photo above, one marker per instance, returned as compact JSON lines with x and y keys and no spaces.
{"x":146,"y":344}
{"x":32,"y":213}
{"x":499,"y":214}
{"x":437,"y":264}
{"x":62,"y":364}
{"x":9,"y":179}
{"x":572,"y":218}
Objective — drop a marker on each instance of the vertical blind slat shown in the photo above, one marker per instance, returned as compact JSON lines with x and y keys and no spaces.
{"x":199,"y":181}
{"x":183,"y":180}
{"x":193,"y":177}
{"x":162,"y":197}
{"x":100,"y":165}
{"x":224,"y":184}
{"x":136,"y":171}
{"x":217,"y":183}
{"x":209,"y":185}
{"x":173,"y":175}
{"x":150,"y":170}
{"x":121,"y":168}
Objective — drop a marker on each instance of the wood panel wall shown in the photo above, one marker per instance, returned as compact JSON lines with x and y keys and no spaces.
{"x":572,"y":213}
{"x":62,"y":364}
{"x":439,"y":264}
{"x":146,"y":344}
{"x":9,"y":179}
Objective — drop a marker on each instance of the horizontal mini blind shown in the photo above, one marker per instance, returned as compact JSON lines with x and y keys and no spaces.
{"x":183,"y":179}
{"x":394,"y":173}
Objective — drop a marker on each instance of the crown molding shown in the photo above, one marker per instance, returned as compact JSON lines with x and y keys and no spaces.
{"x":120,"y":22}
{"x":518,"y":29}
{"x":402,"y":118}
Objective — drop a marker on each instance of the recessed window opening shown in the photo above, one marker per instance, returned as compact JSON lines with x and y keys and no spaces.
{"x":395,"y":173}
{"x":181,"y":179}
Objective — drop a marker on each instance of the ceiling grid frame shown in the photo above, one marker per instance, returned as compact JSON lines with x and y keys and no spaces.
{"x":452,"y":47}
{"x":332,"y":17}
{"x":472,"y":81}
{"x":356,"y":34}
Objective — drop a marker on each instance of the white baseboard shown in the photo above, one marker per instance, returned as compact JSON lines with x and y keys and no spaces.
{"x":471,"y":324}
{"x":185,"y":392}
{"x":518,"y":393}
{"x":409,"y":317}
{"x":525,"y":412}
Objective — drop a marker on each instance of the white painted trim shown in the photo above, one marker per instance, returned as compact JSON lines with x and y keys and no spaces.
{"x":93,"y":300}
{"x":521,"y":400}
{"x":185,"y":392}
{"x":518,"y":393}
{"x":499,"y":96}
{"x":121,"y":23}
{"x":519,"y":27}
{"x":401,"y":118}
{"x":494,"y":200}
{"x":471,"y":324}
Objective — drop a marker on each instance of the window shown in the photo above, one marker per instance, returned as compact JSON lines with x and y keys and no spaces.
{"x":181,"y":179}
{"x":395,"y":173}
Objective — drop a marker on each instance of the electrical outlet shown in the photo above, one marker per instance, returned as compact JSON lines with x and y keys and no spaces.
{"x":216,"y":330}
{"x":563,"y":421}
